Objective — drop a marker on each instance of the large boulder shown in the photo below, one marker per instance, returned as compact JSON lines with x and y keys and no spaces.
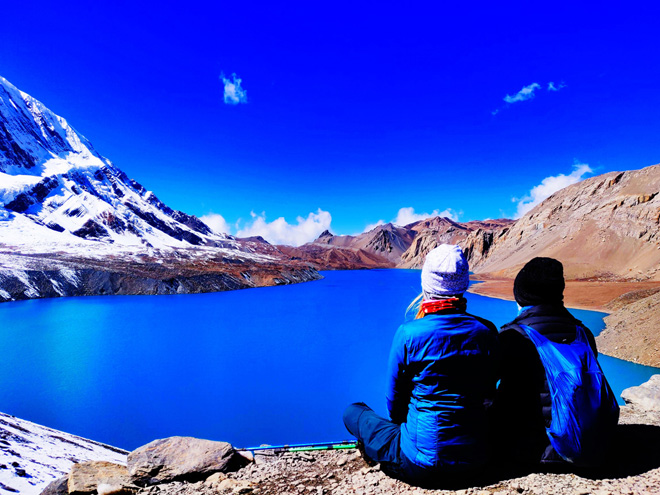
{"x":100,"y":477}
{"x":181,"y":458}
{"x":646,"y":396}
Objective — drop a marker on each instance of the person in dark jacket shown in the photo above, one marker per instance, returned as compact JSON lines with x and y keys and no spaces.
{"x":523,"y":404}
{"x":442,"y":374}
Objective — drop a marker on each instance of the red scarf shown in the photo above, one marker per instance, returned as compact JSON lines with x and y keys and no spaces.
{"x":437,"y":305}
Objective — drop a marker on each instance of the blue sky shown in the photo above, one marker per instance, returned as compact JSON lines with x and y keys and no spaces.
{"x":346,"y":115}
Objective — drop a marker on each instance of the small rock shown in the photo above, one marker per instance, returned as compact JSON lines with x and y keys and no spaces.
{"x":57,"y":487}
{"x":342,"y":461}
{"x":108,"y":489}
{"x":87,"y":477}
{"x":215,"y":479}
{"x":235,"y":486}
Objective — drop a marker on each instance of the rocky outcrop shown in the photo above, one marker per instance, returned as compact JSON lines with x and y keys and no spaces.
{"x":181,"y":458}
{"x":475,"y":238}
{"x":646,"y":396}
{"x":606,"y":227}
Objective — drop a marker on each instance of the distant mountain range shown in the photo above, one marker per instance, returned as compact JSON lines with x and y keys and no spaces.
{"x":605,"y":227}
{"x":390,"y":246}
{"x":72,"y":223}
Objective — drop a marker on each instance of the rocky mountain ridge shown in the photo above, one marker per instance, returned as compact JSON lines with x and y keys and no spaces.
{"x":390,"y":246}
{"x":72,"y":223}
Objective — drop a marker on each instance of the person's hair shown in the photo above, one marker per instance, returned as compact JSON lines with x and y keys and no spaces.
{"x":416,"y":305}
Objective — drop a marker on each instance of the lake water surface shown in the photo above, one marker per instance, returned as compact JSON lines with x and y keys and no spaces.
{"x":270,"y":365}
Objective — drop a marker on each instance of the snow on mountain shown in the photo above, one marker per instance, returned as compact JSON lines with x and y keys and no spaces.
{"x":56,"y":189}
{"x":60,"y":199}
{"x":34,"y":455}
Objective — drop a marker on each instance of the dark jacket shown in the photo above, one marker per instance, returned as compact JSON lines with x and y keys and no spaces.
{"x":442,"y":370}
{"x":523,"y":403}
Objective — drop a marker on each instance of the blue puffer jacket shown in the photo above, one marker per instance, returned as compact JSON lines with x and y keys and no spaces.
{"x":442,"y":374}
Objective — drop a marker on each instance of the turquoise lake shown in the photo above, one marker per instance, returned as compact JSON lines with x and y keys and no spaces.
{"x":270,"y":365}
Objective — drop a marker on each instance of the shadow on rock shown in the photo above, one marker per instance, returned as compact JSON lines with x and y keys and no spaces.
{"x":634,"y":451}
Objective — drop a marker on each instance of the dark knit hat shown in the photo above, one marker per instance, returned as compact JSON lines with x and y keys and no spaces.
{"x":541,"y":281}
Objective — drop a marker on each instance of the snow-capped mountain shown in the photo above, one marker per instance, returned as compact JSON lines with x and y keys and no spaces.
{"x":63,"y":207}
{"x":56,"y":189}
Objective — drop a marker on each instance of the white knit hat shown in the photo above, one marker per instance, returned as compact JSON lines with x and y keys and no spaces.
{"x":445,"y":272}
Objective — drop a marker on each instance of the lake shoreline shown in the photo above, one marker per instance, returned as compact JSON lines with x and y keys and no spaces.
{"x":628,"y":333}
{"x":579,"y":294}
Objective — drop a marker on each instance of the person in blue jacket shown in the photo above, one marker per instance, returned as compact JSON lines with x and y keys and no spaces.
{"x":442,"y":376}
{"x":522,"y":407}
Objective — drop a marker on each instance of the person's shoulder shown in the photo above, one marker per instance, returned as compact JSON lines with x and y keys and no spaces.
{"x":512,"y":328}
{"x":483,"y":322}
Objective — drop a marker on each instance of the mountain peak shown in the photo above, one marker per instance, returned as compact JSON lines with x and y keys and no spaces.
{"x":56,"y":190}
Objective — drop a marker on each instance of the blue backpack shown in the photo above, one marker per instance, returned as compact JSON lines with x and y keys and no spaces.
{"x":584,"y":409}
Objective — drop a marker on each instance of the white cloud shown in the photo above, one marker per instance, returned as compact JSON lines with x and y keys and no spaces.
{"x":552,"y":87}
{"x":524,"y":94}
{"x":407,"y":216}
{"x":279,"y":231}
{"x":234,"y":94}
{"x":217,"y":223}
{"x":549,"y":186}
{"x":372,"y":226}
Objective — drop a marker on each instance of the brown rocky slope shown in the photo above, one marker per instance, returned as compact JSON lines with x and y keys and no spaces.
{"x":632,"y":331}
{"x":606,"y":227}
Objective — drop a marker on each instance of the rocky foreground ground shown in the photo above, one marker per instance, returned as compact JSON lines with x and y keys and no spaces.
{"x":633,"y":470}
{"x":187,"y":466}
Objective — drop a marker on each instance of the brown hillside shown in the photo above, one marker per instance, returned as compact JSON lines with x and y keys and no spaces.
{"x":326,"y":257}
{"x":606,"y":227}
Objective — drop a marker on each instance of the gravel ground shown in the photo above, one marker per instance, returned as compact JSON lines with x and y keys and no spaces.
{"x":634,"y":469}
